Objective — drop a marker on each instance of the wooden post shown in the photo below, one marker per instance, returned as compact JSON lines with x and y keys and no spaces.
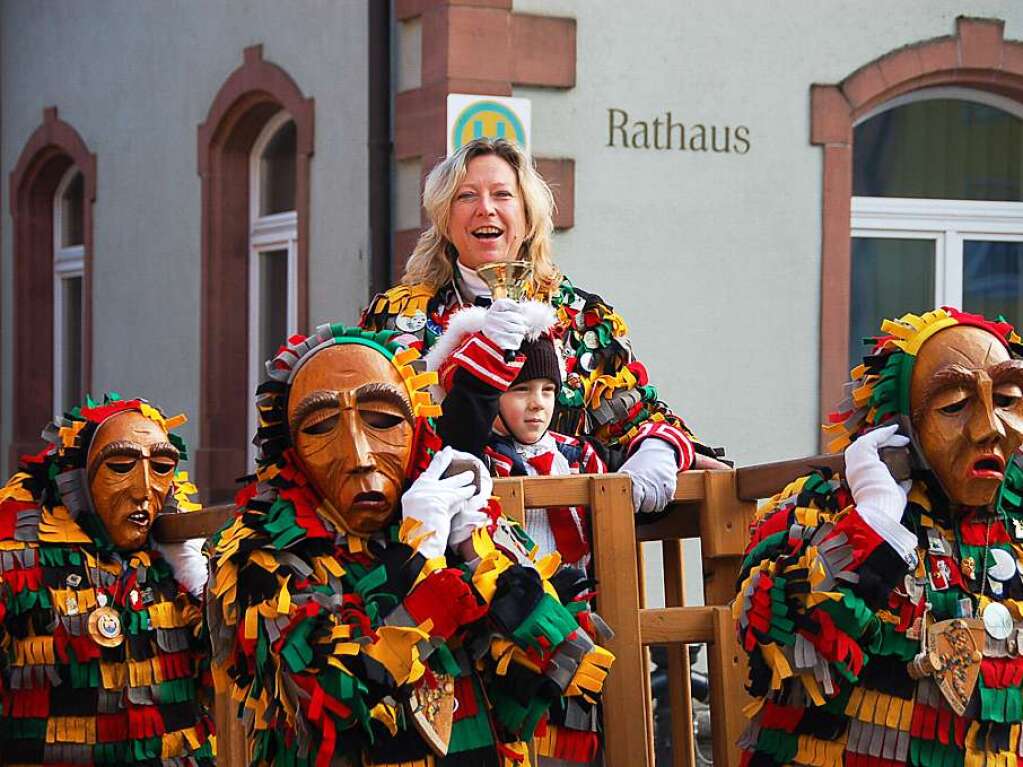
{"x":618,"y":601}
{"x":680,"y":694}
{"x":648,"y":698}
{"x":232,"y":747}
{"x":724,"y":521}
{"x":727,"y":694}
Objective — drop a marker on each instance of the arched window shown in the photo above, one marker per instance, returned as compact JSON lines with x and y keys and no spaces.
{"x":53,"y":190}
{"x":273,"y":247}
{"x":68,"y":284}
{"x":937,"y":208}
{"x":255,"y":150}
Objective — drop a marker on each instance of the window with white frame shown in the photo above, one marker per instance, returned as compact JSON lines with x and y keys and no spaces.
{"x":273,"y":247}
{"x":937,"y":209}
{"x":68,"y":280}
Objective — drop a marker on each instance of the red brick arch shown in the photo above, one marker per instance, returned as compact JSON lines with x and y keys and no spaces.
{"x":976,"y":57}
{"x":51,"y":149}
{"x":245,"y":102}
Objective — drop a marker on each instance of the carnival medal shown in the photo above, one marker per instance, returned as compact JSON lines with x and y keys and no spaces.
{"x":951,"y":657}
{"x":105,"y":627}
{"x":432,"y":707}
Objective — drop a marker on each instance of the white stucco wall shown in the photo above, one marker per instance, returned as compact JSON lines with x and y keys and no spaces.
{"x":714,"y":259}
{"x":135,"y":80}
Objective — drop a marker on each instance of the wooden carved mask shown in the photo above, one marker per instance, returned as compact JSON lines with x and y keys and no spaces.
{"x":966,"y":397}
{"x":130,"y":466}
{"x":351,"y":423}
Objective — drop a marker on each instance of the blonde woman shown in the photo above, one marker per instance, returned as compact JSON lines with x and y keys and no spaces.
{"x":486,"y":203}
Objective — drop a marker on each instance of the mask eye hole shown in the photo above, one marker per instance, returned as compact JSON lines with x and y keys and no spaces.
{"x":1005,"y":400}
{"x":953,"y":407}
{"x":380,"y":420}
{"x":322,"y":425}
{"x":162,"y":466}
{"x":121,"y":466}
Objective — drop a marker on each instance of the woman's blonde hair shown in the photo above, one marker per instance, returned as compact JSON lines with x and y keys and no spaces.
{"x":432,"y":260}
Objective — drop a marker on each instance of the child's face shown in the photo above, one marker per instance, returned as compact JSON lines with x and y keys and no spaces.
{"x":527,"y":409}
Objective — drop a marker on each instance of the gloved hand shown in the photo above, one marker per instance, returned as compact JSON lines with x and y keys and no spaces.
{"x":654,"y":471}
{"x":433,"y":502}
{"x":447,"y":600}
{"x":505,"y":324}
{"x":880,"y":500}
{"x":470,"y":515}
{"x":189,"y":564}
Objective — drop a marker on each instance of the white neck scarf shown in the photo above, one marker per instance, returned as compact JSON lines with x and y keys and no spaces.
{"x":472,"y":284}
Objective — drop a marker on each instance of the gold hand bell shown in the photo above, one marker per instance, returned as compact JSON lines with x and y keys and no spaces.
{"x":507,"y":279}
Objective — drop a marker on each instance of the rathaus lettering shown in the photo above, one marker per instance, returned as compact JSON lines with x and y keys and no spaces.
{"x":665,"y":133}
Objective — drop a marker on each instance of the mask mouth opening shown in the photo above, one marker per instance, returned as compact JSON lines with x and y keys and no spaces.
{"x":989,"y":464}
{"x":369,"y":498}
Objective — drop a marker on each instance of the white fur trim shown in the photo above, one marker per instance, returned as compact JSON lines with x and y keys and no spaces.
{"x":539,"y":316}
{"x":463,"y":323}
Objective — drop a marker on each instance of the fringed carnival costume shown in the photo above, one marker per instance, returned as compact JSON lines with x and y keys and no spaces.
{"x":334,"y":645}
{"x":104,"y":661}
{"x":864,"y":655}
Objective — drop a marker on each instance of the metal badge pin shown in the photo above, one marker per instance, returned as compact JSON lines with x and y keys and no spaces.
{"x":997,"y":620}
{"x":936,"y":543}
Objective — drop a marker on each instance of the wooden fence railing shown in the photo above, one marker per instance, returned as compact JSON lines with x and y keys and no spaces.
{"x":714,"y":506}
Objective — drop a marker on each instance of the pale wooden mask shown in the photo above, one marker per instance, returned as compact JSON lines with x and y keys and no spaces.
{"x":352,"y":427}
{"x":966,"y":396}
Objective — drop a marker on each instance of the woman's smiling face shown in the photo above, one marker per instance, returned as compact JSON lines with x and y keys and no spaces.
{"x":488,"y":219}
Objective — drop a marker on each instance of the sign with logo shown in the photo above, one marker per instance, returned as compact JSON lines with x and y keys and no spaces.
{"x":471,"y":117}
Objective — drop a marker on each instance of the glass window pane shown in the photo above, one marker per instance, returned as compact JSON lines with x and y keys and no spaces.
{"x":71,"y":338}
{"x":993,"y":278}
{"x":72,"y":213}
{"x":273,"y":303}
{"x":889,"y":278}
{"x":277,"y":172}
{"x":943,"y":148}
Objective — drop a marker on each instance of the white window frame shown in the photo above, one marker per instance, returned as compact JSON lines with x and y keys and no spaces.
{"x":946,"y":222}
{"x":68,"y":263}
{"x":278,"y":231}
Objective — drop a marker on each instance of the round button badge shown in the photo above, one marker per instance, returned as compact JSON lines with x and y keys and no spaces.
{"x":1004,"y":567}
{"x":997,"y":621}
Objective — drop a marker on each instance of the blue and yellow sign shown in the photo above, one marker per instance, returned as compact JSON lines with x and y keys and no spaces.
{"x":472,"y":117}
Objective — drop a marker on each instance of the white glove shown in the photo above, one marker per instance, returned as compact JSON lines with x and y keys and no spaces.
{"x":880,"y":500}
{"x":471,"y":515}
{"x":654,"y":471}
{"x":433,"y":502}
{"x":505,"y":324}
{"x":189,"y":564}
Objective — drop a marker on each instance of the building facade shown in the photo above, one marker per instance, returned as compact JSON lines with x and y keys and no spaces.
{"x":751,"y":185}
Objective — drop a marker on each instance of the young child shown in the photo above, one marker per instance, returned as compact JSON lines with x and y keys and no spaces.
{"x":500,"y":409}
